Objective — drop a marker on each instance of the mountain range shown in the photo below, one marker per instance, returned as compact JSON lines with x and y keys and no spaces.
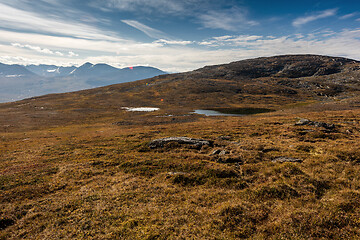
{"x":18,"y":82}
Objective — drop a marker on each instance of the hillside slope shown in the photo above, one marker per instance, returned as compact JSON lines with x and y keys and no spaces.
{"x":273,"y":82}
{"x":79,"y":166}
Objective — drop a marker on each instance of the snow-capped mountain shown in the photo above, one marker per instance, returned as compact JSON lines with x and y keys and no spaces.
{"x":18,"y":82}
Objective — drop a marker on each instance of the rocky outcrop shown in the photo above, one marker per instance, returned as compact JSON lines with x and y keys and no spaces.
{"x":197,"y":143}
{"x":285,"y":66}
{"x":304,"y":121}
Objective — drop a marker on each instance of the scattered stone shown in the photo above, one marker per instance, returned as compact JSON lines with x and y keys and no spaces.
{"x":176,"y":173}
{"x":215,"y":152}
{"x":286,"y":159}
{"x":304,"y":121}
{"x":324,"y":125}
{"x":198,"y":143}
{"x":223,"y":152}
{"x":224,"y":138}
{"x":219,"y":152}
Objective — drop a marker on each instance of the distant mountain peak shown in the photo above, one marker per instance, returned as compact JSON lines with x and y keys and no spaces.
{"x":26,"y":81}
{"x":86,"y":65}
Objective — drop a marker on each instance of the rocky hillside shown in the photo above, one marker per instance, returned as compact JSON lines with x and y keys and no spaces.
{"x":272,"y":82}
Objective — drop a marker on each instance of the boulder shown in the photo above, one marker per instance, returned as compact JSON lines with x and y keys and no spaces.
{"x":304,"y":121}
{"x":198,"y":143}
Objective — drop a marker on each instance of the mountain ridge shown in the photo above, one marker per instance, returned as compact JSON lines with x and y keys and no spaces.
{"x":20,"y":81}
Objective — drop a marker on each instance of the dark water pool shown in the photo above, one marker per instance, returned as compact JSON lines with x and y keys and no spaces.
{"x":232,"y":111}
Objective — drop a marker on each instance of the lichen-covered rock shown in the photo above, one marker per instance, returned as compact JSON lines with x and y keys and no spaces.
{"x":198,"y":143}
{"x":304,"y":121}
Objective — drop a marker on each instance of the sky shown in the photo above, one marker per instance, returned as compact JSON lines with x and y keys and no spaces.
{"x":174,"y":35}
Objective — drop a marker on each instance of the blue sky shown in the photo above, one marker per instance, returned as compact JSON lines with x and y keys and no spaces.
{"x":174,"y":35}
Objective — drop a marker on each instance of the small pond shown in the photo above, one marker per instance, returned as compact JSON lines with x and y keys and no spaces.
{"x":140,"y":109}
{"x":232,"y":111}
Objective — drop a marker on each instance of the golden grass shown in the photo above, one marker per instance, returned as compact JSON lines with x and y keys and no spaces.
{"x":97,"y":180}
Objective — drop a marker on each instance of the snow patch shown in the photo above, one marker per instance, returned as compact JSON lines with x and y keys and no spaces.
{"x":72,"y":71}
{"x":53,"y":70}
{"x":12,"y":76}
{"x":140,"y":109}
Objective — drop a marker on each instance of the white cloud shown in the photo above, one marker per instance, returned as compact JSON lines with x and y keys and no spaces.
{"x":323,"y":14}
{"x":146,"y":6}
{"x":204,"y":11}
{"x":177,"y":58}
{"x":230,"y":40}
{"x":151,"y":32}
{"x":231,"y":20}
{"x":173,"y":42}
{"x":36,"y":48}
{"x":72,"y":54}
{"x":59,"y":53}
{"x":171,"y":59}
{"x":83,"y":42}
{"x":350,"y":15}
{"x":16,"y":19}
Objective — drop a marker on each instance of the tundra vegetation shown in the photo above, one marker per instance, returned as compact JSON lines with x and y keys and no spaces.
{"x":78,"y":166}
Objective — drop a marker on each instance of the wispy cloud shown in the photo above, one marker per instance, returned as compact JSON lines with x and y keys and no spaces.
{"x":44,"y":50}
{"x":319,"y":15}
{"x":350,"y":15}
{"x":36,"y":48}
{"x":21,"y":20}
{"x":42,"y":38}
{"x":204,"y":11}
{"x":173,"y":42}
{"x":231,"y":40}
{"x":175,"y":58}
{"x":72,"y":54}
{"x":231,"y":20}
{"x":151,"y":32}
{"x":171,"y":59}
{"x":141,"y":6}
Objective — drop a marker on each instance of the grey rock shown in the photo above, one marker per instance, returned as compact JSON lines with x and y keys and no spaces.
{"x":304,"y":121}
{"x":286,"y":159}
{"x":176,"y":173}
{"x":158,"y":143}
{"x":223,"y":152}
{"x":215,"y":152}
{"x":224,"y":137}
